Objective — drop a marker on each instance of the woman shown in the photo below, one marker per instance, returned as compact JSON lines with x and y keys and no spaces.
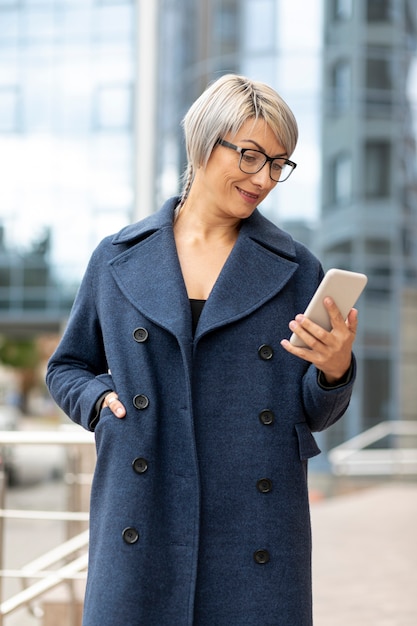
{"x":199,"y":506}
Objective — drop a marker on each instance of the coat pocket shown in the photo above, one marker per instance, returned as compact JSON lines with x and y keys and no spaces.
{"x":307,"y":445}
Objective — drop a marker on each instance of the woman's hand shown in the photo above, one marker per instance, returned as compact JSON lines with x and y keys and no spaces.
{"x":330,"y":352}
{"x":114,"y":404}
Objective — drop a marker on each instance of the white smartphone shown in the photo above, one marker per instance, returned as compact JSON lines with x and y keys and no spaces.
{"x":344,"y":287}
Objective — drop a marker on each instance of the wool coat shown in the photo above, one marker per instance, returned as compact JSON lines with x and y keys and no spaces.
{"x":199,"y":505}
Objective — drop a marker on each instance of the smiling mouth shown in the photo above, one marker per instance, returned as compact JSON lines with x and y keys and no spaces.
{"x":251,"y":196}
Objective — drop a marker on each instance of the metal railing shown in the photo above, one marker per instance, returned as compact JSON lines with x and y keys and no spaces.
{"x":360,"y":456}
{"x":67,"y":562}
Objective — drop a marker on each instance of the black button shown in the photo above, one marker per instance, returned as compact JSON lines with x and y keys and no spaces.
{"x":140,"y":401}
{"x":267,"y":417}
{"x":140,"y":335}
{"x":140,"y":465}
{"x":264,"y":485}
{"x":130,"y":535}
{"x":265,"y":352}
{"x":261,"y":556}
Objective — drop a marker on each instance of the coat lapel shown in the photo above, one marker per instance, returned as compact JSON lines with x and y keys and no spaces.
{"x":260,"y":264}
{"x":149,"y":274}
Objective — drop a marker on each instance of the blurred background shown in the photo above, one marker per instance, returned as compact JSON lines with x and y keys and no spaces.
{"x":92,"y":93}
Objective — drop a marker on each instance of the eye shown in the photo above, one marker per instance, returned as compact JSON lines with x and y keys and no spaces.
{"x":277,"y":166}
{"x":251,"y":157}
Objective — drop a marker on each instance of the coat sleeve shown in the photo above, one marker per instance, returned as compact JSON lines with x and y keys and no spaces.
{"x":325,"y":406}
{"x":77,"y":373}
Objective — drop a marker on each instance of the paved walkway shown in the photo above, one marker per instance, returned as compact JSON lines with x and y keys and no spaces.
{"x":365,"y":557}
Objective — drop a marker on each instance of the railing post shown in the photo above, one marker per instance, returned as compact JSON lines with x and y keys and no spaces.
{"x":74,"y":441}
{"x":73,"y":504}
{"x":73,"y":498}
{"x":2,"y":506}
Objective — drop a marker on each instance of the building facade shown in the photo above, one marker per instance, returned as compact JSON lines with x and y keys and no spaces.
{"x":67,"y":71}
{"x":196,"y":43}
{"x":369,"y":195}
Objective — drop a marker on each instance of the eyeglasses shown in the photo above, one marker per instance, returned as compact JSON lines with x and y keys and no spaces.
{"x":252,"y":161}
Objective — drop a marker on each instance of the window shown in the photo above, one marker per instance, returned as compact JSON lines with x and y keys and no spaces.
{"x":67,"y":68}
{"x":376,"y":375}
{"x":6,"y":4}
{"x":343,"y":247}
{"x":9,"y":113}
{"x":378,"y":10}
{"x":9,"y":24}
{"x":113,"y":107}
{"x":226,"y":27}
{"x":340,"y":254}
{"x":342,"y":9}
{"x":377,"y":246}
{"x":113,"y":21}
{"x":341,"y":179}
{"x":259,"y":23}
{"x":340,"y":81}
{"x":379,"y":69}
{"x":377,"y":169}
{"x":379,"y":81}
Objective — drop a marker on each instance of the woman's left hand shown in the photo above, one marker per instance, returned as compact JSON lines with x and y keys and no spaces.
{"x":330,"y":352}
{"x":112,"y":401}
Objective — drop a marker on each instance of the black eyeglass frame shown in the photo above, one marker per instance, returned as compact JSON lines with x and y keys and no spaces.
{"x":268,"y":159}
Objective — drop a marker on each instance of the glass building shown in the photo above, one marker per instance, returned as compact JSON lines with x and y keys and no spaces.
{"x":92,"y":93}
{"x":369,"y":196}
{"x":67,"y":74}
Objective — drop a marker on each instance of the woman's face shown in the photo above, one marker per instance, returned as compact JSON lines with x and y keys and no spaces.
{"x":230,"y":191}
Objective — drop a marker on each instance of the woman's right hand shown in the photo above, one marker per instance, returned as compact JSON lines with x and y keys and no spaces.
{"x":112,"y":401}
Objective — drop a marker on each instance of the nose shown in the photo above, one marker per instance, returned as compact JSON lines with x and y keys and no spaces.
{"x":263,"y":178}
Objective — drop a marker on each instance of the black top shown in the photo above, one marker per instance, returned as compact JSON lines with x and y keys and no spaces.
{"x":196,"y":308}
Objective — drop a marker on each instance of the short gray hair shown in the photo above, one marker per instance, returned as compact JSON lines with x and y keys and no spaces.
{"x":223,"y":108}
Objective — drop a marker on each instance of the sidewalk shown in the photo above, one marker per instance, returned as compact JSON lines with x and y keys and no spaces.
{"x":365,"y":557}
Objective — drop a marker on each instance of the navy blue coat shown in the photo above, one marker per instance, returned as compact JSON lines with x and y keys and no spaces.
{"x":199,"y":509}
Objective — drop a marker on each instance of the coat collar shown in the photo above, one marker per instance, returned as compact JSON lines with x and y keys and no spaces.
{"x":148,"y":272}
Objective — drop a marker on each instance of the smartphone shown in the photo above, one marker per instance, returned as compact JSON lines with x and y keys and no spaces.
{"x":344,"y":287}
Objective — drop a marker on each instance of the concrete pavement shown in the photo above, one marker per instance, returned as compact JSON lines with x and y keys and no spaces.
{"x":365,"y":557}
